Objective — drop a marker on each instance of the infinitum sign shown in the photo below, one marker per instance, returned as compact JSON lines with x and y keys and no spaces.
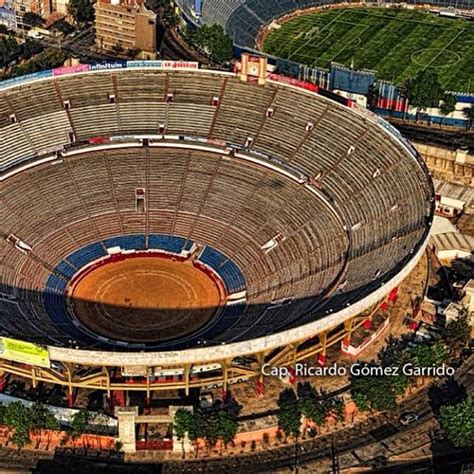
{"x":24,"y":352}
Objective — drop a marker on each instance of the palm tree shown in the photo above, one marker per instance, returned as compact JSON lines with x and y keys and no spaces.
{"x":469,"y":114}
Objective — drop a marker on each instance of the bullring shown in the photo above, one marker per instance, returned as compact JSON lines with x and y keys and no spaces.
{"x":308,"y":229}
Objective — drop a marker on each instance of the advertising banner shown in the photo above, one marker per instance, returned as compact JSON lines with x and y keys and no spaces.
{"x":24,"y":352}
{"x":59,"y":71}
{"x":185,"y":65}
{"x":26,"y":78}
{"x":294,"y":82}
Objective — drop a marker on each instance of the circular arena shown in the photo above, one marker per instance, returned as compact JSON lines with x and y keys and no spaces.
{"x":179,"y":228}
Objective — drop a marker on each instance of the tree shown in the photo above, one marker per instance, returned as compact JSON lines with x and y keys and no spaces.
{"x":171,"y":18}
{"x":211,"y":428}
{"x":17,"y":417}
{"x":360,"y":400}
{"x":457,"y":422}
{"x":41,"y":419}
{"x":217,"y":423}
{"x":81,"y":10}
{"x":373,"y":392}
{"x":30,"y":48}
{"x":63,"y":27}
{"x":117,"y":48}
{"x":424,"y":90}
{"x":167,"y":12}
{"x":312,"y":407}
{"x":422,"y":355}
{"x":289,"y":413}
{"x":214,"y":41}
{"x":457,"y":333}
{"x":33,"y":19}
{"x":304,"y":390}
{"x":396,"y":355}
{"x":226,"y":427}
{"x":231,"y":407}
{"x":337,"y":409}
{"x":468,"y":112}
{"x":46,"y":60}
{"x":9,"y":48}
{"x":3,"y":410}
{"x":313,"y":410}
{"x":182,"y":424}
{"x":448,"y":104}
{"x":229,"y":423}
{"x":79,"y":425}
{"x":461,"y":269}
{"x":372,"y":97}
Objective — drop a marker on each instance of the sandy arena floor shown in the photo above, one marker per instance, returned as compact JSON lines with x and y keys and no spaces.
{"x":145,"y":299}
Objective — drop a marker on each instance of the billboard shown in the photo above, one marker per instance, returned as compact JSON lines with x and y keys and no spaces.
{"x":184,"y":65}
{"x":24,"y":352}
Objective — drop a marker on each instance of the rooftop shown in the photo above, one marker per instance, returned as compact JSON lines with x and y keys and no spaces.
{"x":455,"y":191}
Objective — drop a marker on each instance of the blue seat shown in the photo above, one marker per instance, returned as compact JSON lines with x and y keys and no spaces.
{"x":232,"y":277}
{"x":66,"y":268}
{"x":189,"y":245}
{"x":86,"y":255}
{"x":54,"y":304}
{"x":228,"y":271}
{"x":56,"y":284}
{"x":212,"y":258}
{"x":168,"y":243}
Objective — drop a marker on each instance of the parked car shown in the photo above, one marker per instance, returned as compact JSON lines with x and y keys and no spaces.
{"x":34,"y":34}
{"x":408,"y":418}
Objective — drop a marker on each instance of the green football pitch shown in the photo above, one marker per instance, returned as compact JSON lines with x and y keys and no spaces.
{"x":396,"y":43}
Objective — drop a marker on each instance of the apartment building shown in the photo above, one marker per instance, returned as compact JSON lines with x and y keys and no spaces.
{"x":126,"y":23}
{"x":42,"y":7}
